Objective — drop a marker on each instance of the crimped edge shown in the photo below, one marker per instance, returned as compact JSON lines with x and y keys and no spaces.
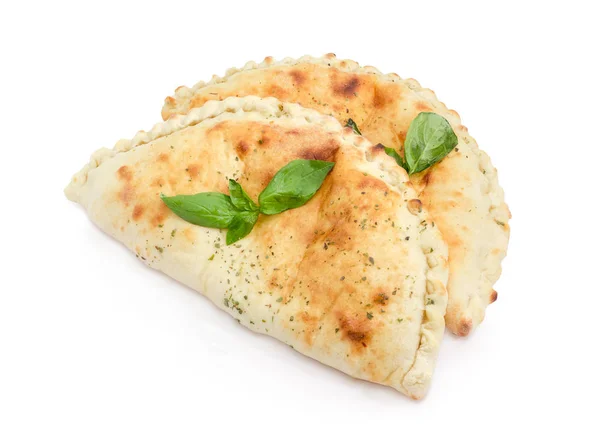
{"x":498,"y":210}
{"x":417,"y":379}
{"x":267,"y":107}
{"x":330,"y":59}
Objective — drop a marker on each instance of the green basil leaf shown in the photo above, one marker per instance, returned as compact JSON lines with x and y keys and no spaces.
{"x":351,"y":124}
{"x":293,"y":185}
{"x":209,"y":209}
{"x":399,"y":160}
{"x":428,"y":140}
{"x":241,"y":226}
{"x":239,"y":198}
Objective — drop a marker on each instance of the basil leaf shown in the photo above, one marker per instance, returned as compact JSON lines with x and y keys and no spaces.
{"x":239,"y":198}
{"x":351,"y":124}
{"x":209,"y":209}
{"x":241,"y":226}
{"x":399,"y":160}
{"x":428,"y":140}
{"x":293,"y":185}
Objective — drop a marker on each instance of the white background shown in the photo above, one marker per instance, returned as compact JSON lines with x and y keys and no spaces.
{"x":95,"y":347}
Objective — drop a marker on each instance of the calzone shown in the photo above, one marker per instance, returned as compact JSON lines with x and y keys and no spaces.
{"x":355,"y":278}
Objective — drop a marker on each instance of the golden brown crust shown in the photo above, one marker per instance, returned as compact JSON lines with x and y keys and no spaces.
{"x":353,"y":278}
{"x":462,"y":192}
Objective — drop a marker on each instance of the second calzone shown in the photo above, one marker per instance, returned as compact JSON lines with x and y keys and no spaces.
{"x":355,"y":278}
{"x":461,"y":192}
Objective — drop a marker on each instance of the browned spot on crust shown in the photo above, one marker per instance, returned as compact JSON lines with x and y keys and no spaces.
{"x":264,"y":140}
{"x":195,"y":102}
{"x":163,"y":157}
{"x":330,"y":55}
{"x":423,"y":107}
{"x":355,"y":329}
{"x":269,"y":59}
{"x":127,"y":194}
{"x":426,"y":177}
{"x":415,"y":206}
{"x":339,"y":108}
{"x":322,"y":152}
{"x":369,"y":182}
{"x":170,"y":100}
{"x":402,"y":137}
{"x":124,"y":173}
{"x":347,"y":88}
{"x":454,"y":242}
{"x":298,"y":76}
{"x":160,"y":216}
{"x":274,"y":281}
{"x":158,"y":219}
{"x":381,"y":298}
{"x":380,"y":99}
{"x":276,"y":91}
{"x":138,"y":211}
{"x":193,"y":170}
{"x":216,"y":128}
{"x":356,"y":335}
{"x":242,"y":148}
{"x":340,"y":236}
{"x":464,"y":327}
{"x":377,"y":149}
{"x":189,"y":234}
{"x":493,"y":296}
{"x":310,"y":323}
{"x":158,"y":182}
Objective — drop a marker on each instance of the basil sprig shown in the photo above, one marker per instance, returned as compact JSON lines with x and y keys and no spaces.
{"x":291,"y":187}
{"x":428,"y":140}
